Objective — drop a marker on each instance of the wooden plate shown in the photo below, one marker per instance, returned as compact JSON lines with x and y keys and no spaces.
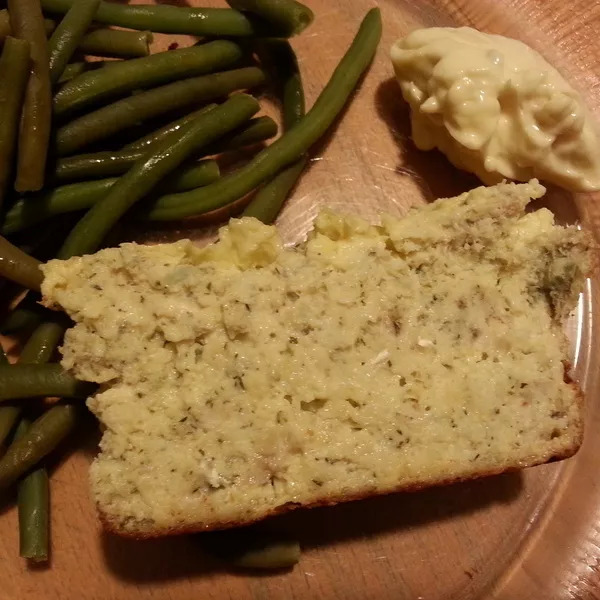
{"x":530,"y":535}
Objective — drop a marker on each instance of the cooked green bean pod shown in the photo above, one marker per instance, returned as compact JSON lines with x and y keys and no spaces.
{"x":201,"y":22}
{"x":14,"y":73}
{"x":160,"y":134}
{"x":253,"y":548}
{"x":69,"y":34}
{"x":281,"y":555}
{"x":80,"y":196}
{"x":44,"y":434}
{"x":255,"y":131}
{"x":190,"y":177}
{"x":286,"y":16}
{"x":8,"y":414}
{"x":132,"y":111}
{"x":5,"y":29}
{"x":126,"y":76}
{"x":33,"y":381}
{"x":72,"y":70}
{"x":33,"y":501}
{"x":42,"y":343}
{"x":38,"y":350}
{"x":25,"y":317}
{"x":27,"y":23}
{"x":149,"y":170}
{"x":292,"y":145}
{"x":116,"y":43}
{"x":33,"y":496}
{"x":18,"y":266}
{"x":268,"y":201}
{"x":100,"y":164}
{"x":96,"y":164}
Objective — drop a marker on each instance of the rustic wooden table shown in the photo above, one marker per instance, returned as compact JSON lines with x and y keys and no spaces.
{"x":515,"y":537}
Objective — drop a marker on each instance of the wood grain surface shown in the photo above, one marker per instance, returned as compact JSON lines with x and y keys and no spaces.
{"x":525,"y":536}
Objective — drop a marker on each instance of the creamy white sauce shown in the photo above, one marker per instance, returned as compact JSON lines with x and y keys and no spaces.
{"x":496,"y":108}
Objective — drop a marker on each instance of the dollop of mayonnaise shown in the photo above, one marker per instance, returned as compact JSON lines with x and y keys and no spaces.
{"x":496,"y":108}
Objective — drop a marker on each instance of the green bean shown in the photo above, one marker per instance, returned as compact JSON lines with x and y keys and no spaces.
{"x":201,"y":22}
{"x":42,"y":343}
{"x":99,"y":42}
{"x":68,"y":35}
{"x":126,"y":76}
{"x":24,"y":318}
{"x":72,"y":70}
{"x":117,"y":43}
{"x":33,"y":381}
{"x":95,"y":164}
{"x":268,"y":201}
{"x":79,"y":196}
{"x":38,"y":350}
{"x":280,"y":555}
{"x":289,"y":147}
{"x":138,"y":108}
{"x":45,"y":433}
{"x":8,"y":414}
{"x":18,"y":266}
{"x":99,"y":164}
{"x":27,"y":23}
{"x":286,"y":16}
{"x":191,"y":177}
{"x":160,"y":134}
{"x":33,"y":497}
{"x":257,"y":130}
{"x":148,"y":171}
{"x":5,"y":29}
{"x":14,"y":73}
{"x":253,"y":548}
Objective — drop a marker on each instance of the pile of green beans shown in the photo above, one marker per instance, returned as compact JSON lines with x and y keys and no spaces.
{"x":127,"y":76}
{"x":292,"y":145}
{"x":154,"y":127}
{"x":136,"y":109}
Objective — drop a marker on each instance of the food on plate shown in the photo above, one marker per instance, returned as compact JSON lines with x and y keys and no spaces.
{"x":84,"y":194}
{"x":14,"y":73}
{"x":291,"y":146}
{"x":33,"y":503}
{"x":44,"y":434}
{"x":155,"y":160}
{"x":67,"y":37}
{"x":133,"y":110}
{"x":27,"y":23}
{"x":496,"y":108}
{"x":246,"y":379}
{"x":267,"y":202}
{"x":151,"y":169}
{"x":140,"y":73}
{"x":164,"y":18}
{"x":18,"y":266}
{"x":287,"y":16}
